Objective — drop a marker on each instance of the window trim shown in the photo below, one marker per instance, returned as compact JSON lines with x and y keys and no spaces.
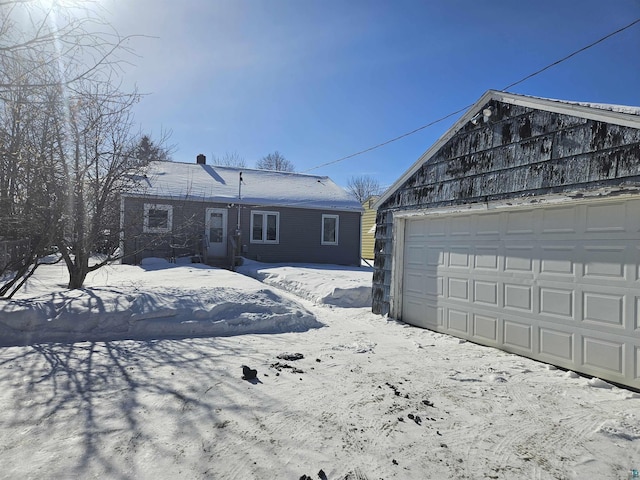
{"x":265,"y":214}
{"x":153,"y":206}
{"x":337,"y":219}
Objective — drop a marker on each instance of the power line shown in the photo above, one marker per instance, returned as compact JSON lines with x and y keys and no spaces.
{"x":389,"y":141}
{"x":538,"y":72}
{"x":573,"y":54}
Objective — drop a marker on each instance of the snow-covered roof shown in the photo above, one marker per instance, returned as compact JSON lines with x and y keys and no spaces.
{"x":628,"y":116}
{"x":174,"y":180}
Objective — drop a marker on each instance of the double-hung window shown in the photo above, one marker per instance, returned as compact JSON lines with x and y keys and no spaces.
{"x":157,"y":218}
{"x":330,"y":227}
{"x":265,"y":227}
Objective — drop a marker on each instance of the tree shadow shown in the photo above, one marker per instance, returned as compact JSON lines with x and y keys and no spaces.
{"x":103,"y":406}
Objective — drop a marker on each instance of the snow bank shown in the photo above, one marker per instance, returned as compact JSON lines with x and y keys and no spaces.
{"x":347,"y":287}
{"x":123,"y":301}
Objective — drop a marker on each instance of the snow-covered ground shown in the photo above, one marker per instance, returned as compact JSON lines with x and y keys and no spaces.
{"x":369,"y":398}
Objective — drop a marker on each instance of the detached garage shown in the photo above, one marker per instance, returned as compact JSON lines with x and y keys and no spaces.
{"x":520,"y":229}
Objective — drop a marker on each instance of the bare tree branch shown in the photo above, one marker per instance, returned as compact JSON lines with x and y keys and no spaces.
{"x":363,"y":187}
{"x":275,"y":161}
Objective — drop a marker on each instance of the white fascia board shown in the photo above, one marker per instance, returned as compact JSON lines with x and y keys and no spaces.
{"x":604,"y":194}
{"x":572,"y":108}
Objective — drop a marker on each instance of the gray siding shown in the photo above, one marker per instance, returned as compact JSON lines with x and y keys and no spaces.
{"x":299,"y":238}
{"x":520,"y":152}
{"x":188,"y":226}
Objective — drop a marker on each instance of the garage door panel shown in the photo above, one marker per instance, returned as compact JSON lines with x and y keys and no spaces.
{"x":490,"y":224}
{"x":517,"y":335}
{"x":415,"y":256}
{"x":559,"y":284}
{"x":520,"y":223}
{"x":458,"y":321}
{"x":436,"y":227}
{"x":435,"y":255}
{"x":518,"y":297}
{"x":555,"y":259}
{"x":485,"y":292}
{"x":557,"y":344}
{"x":519,"y":259}
{"x":434,"y":286}
{"x":415,"y":283}
{"x":559,"y":220}
{"x":604,"y":262}
{"x":459,"y":257}
{"x":602,"y":308}
{"x":461,"y":225}
{"x":557,"y":302}
{"x":603,"y":355}
{"x":416,"y":230}
{"x":606,"y":218}
{"x":423,"y":314}
{"x":485,"y":327}
{"x":458,"y":288}
{"x":486,"y":258}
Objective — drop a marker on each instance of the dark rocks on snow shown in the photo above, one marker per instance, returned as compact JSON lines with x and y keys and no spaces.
{"x":281,"y":366}
{"x":291,"y":357}
{"x":249,"y":373}
{"x":321,"y":476}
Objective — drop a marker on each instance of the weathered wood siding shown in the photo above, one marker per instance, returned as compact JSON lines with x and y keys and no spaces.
{"x":520,"y":152}
{"x":300,"y":233}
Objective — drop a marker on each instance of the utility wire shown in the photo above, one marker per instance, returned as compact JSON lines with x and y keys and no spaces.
{"x":538,"y":72}
{"x":389,"y":141}
{"x":573,"y":54}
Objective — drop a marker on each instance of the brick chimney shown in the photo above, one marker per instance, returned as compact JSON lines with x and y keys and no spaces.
{"x":201,"y":159}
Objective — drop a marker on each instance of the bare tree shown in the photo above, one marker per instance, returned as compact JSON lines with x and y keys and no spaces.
{"x":230,"y":159}
{"x":363,"y":187}
{"x":66,"y":144}
{"x":275,"y":161}
{"x":74,"y":40}
{"x":96,"y":153}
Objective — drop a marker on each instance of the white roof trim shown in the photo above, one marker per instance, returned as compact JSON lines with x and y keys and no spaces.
{"x":606,"y":194}
{"x":598,"y":112}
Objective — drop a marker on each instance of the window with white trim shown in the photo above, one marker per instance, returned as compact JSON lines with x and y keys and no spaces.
{"x":265,"y":227}
{"x":157,"y":218}
{"x":330,"y":226}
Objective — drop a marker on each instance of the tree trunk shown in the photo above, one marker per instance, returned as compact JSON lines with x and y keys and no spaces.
{"x":77,"y":274}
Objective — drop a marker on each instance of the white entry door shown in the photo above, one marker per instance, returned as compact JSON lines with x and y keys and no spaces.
{"x":216,"y":231}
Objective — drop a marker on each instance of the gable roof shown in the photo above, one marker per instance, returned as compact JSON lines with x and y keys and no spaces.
{"x":627,"y":116}
{"x":212,"y":183}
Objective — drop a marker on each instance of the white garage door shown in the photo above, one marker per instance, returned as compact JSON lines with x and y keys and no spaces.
{"x":558,"y":284}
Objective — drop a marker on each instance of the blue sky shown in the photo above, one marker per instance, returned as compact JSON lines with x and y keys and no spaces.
{"x":319,"y":80}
